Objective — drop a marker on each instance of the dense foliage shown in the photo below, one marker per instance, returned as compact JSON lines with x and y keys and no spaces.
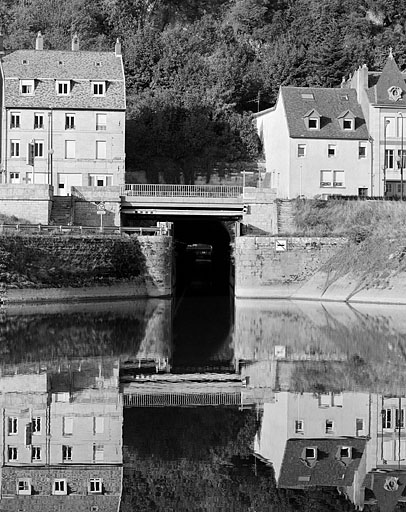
{"x":197,"y":68}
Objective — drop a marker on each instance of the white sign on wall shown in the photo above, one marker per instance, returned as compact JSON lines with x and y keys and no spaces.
{"x":280,"y":245}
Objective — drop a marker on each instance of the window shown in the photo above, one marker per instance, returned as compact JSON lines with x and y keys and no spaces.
{"x":389,"y":158}
{"x":14,"y":177}
{"x":103,"y":180}
{"x":99,"y":88}
{"x":338,"y":178}
{"x":27,"y":87}
{"x":98,"y":453}
{"x":12,"y":453}
{"x":14,"y":148}
{"x":400,"y":418}
{"x":301,"y":150}
{"x":390,"y":127}
{"x":39,"y":148}
{"x":60,"y":487}
{"x":331,"y":150}
{"x":38,"y":121}
{"x":299,"y":426}
{"x":310,"y":453}
{"x":63,"y":88}
{"x":362,"y":150}
{"x":329,"y":427}
{"x":387,"y":418}
{"x":401,"y":161}
{"x":101,"y":122}
{"x":399,"y":126}
{"x":348,"y":124}
{"x":313,"y":123}
{"x":12,"y":426}
{"x":98,"y":425}
{"x":36,"y":425}
{"x":67,"y":426}
{"x":95,"y":485}
{"x":359,"y":427}
{"x":345,"y":452}
{"x":24,"y":486}
{"x":307,"y":96}
{"x":14,"y":120}
{"x":62,"y":397}
{"x":70,"y":147}
{"x":389,"y":187}
{"x":66,"y":453}
{"x":69,"y":121}
{"x":326,"y":181}
{"x":101,"y":149}
{"x":36,"y":453}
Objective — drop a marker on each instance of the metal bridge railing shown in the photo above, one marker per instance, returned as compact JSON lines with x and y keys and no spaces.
{"x":78,"y":230}
{"x":181,"y":399}
{"x":211,"y":191}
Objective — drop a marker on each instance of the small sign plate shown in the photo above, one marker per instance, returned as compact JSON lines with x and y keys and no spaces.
{"x":280,"y":245}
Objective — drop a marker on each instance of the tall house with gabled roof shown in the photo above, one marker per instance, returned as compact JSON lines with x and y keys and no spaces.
{"x":316,"y":143}
{"x":382,"y":96}
{"x":63,"y":117}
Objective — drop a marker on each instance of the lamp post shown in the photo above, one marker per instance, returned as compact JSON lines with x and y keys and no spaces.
{"x":401,"y":159}
{"x":385,"y":163}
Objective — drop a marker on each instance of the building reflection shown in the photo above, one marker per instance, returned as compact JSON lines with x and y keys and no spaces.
{"x":61,"y":437}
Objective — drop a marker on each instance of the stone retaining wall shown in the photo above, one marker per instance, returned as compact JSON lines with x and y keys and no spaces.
{"x":27,"y":202}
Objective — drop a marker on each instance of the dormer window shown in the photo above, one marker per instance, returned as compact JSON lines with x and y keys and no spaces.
{"x":347,"y":121}
{"x":99,"y":88}
{"x":63,"y":88}
{"x":345,"y":452}
{"x":27,"y":87}
{"x":312,"y":120}
{"x":307,"y":96}
{"x":310,"y":453}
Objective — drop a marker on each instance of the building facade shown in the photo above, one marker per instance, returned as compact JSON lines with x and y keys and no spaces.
{"x":63,"y":117}
{"x":346,"y":141}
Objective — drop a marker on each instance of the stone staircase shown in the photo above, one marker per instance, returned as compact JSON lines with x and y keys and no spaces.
{"x":62,"y":211}
{"x":285,"y":222}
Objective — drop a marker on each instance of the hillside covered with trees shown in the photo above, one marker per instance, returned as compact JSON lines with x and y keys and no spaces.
{"x":197,"y":69}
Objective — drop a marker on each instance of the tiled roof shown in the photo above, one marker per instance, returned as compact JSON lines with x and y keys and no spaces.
{"x":328,"y":471}
{"x":329,"y":103}
{"x":386,"y":500}
{"x":47,"y":66}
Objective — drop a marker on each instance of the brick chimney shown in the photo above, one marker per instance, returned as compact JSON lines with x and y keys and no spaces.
{"x":39,"y":41}
{"x":75,"y":43}
{"x":117,"y":48}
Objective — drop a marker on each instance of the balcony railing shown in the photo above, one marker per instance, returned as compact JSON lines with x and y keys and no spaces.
{"x":210,"y":191}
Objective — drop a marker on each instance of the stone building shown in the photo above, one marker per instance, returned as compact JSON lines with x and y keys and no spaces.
{"x":63,"y":117}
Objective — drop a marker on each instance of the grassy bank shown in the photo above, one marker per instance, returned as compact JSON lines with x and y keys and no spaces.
{"x":376,"y":232}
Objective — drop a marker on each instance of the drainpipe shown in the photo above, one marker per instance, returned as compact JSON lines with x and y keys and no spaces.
{"x":371,"y":140}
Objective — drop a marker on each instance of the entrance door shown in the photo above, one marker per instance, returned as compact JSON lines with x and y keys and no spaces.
{"x":66,"y":181}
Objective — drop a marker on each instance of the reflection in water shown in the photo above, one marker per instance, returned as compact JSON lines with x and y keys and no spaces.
{"x":301,"y":407}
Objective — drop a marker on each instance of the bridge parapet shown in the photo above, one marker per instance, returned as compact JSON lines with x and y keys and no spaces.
{"x":192,"y":191}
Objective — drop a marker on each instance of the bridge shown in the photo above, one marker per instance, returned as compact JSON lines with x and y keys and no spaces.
{"x":218,"y":201}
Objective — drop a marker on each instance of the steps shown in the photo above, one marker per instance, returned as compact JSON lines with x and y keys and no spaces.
{"x":62,"y":211}
{"x":285,"y":222}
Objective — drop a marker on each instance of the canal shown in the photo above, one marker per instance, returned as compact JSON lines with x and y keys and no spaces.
{"x":202,"y":403}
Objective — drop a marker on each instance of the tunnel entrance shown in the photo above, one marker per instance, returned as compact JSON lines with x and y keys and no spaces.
{"x":203,"y":256}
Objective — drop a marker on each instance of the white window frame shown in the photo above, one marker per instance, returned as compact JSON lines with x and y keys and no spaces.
{"x":350,"y":122}
{"x":314,"y":453}
{"x":15,"y":120}
{"x":70,"y":149}
{"x":362,"y":146}
{"x":26,"y":486}
{"x":36,"y":425}
{"x":69,"y":125}
{"x":67,"y":425}
{"x":12,"y":425}
{"x":39,"y":149}
{"x":27,"y":87}
{"x":324,"y":182}
{"x":15,"y":177}
{"x":332,"y":150}
{"x":98,"y":424}
{"x":12,"y":453}
{"x":301,"y":150}
{"x":59,"y":487}
{"x":38,"y":121}
{"x":101,"y":149}
{"x":107,"y":180}
{"x":98,"y":453}
{"x":390,"y":158}
{"x":315,"y":121}
{"x":67,"y":451}
{"x":63,"y":87}
{"x":15,"y":147}
{"x":299,"y":427}
{"x":338,"y":178}
{"x":329,"y":427}
{"x":99,"y":88}
{"x":95,"y":486}
{"x":36,"y":453}
{"x":101,"y":122}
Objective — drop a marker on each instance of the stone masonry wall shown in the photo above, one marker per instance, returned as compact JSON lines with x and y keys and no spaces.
{"x":262,"y":213}
{"x":44,"y":267}
{"x":27,"y":202}
{"x":261,"y":270}
{"x":86,"y":200}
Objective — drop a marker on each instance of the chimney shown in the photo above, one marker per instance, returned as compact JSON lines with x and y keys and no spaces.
{"x":117,"y":48}
{"x":39,"y":41}
{"x":75,"y":43}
